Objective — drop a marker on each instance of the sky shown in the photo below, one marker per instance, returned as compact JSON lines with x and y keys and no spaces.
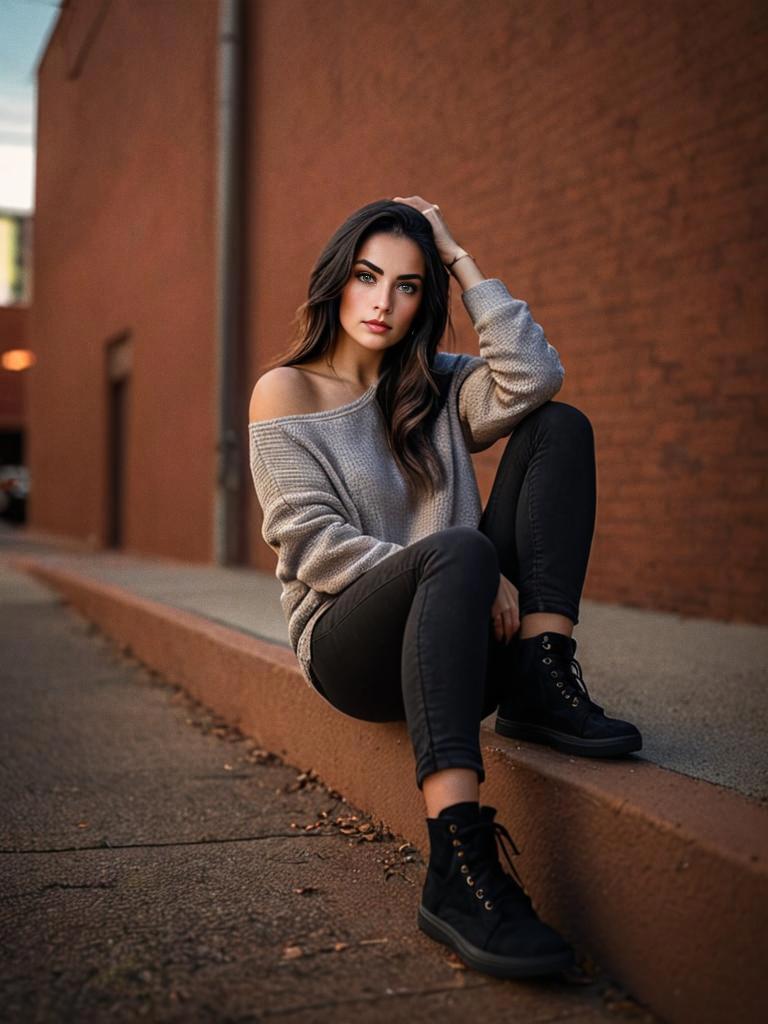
{"x":25,"y":26}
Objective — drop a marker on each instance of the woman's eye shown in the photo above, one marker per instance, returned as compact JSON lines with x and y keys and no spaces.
{"x":410,"y":289}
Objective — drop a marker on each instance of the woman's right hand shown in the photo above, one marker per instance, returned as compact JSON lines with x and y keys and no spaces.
{"x":505,"y":611}
{"x":447,"y":246}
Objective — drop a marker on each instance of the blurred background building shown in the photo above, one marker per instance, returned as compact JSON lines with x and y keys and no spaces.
{"x":606,"y":161}
{"x":15,"y":258}
{"x":15,"y":358}
{"x":22,"y":32}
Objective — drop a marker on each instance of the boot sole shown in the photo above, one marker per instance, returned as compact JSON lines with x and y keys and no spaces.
{"x":492,"y":963}
{"x":568,"y":744}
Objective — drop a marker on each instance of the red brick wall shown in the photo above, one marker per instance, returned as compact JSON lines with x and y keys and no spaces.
{"x":607,"y":162}
{"x":124,"y":242}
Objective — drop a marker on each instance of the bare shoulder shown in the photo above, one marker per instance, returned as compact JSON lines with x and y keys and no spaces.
{"x":282,"y":391}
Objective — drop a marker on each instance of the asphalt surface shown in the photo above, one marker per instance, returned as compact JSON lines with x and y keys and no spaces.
{"x":156,"y":865}
{"x":695,"y":687}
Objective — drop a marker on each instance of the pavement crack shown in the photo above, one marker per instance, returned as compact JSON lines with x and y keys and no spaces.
{"x":106,"y":845}
{"x":373,"y":997}
{"x":59,"y":885}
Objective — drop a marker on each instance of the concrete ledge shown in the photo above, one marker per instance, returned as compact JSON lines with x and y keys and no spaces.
{"x":661,"y":878}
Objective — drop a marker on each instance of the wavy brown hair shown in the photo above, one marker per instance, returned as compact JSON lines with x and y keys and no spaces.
{"x":407,"y":391}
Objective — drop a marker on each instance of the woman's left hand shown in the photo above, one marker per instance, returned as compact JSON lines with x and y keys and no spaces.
{"x":506,"y":610}
{"x":447,"y":246}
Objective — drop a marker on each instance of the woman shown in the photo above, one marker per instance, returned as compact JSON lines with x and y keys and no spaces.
{"x":405,"y":600}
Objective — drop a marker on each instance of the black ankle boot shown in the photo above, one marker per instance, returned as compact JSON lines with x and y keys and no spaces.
{"x":548,"y":702}
{"x":472,"y":905}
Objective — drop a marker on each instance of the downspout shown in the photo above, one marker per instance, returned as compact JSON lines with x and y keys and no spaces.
{"x":229,"y":207}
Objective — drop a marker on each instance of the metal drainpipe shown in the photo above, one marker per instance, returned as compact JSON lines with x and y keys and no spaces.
{"x":229,"y":430}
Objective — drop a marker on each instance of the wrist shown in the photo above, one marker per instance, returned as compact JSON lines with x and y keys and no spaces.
{"x":457,"y":255}
{"x":466,"y":271}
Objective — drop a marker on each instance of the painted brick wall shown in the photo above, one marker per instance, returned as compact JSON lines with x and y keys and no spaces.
{"x":608,"y":163}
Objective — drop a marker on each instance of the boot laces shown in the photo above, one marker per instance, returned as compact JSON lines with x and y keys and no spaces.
{"x":489,"y":870}
{"x":574,"y":685}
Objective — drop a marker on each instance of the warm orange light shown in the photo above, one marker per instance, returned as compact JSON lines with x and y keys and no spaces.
{"x":18,"y":359}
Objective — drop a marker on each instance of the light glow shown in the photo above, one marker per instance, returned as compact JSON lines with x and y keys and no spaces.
{"x":17,"y":359}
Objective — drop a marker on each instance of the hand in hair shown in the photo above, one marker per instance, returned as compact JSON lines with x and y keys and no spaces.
{"x":447,"y":246}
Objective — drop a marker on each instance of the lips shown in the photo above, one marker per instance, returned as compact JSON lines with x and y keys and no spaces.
{"x":376,"y":326}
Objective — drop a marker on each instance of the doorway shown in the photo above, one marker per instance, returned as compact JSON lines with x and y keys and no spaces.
{"x":119,"y":361}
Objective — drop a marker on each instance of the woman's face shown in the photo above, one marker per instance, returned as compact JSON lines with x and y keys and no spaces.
{"x":386,"y":284}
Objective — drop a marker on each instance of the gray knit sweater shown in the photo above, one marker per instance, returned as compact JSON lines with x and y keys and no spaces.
{"x":334,"y":501}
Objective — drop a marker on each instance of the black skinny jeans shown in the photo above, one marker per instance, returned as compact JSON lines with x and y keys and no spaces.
{"x":412,"y":638}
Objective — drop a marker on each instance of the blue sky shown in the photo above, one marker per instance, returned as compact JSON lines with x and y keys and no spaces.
{"x":24,"y":29}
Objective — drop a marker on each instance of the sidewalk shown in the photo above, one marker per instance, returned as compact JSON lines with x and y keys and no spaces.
{"x":661,"y":875}
{"x":158,"y":865}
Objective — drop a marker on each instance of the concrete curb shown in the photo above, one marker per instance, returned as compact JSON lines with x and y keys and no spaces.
{"x":662,"y":878}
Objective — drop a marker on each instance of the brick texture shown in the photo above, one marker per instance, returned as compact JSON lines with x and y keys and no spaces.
{"x":125,"y":245}
{"x":607,"y":161}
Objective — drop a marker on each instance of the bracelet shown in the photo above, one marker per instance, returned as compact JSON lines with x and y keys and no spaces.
{"x":456,"y":260}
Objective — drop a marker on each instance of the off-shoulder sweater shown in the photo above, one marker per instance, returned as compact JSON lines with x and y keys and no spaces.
{"x":334,"y":500}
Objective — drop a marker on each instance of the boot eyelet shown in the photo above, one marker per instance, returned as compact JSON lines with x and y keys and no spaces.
{"x":479,"y":893}
{"x":457,"y":842}
{"x":470,"y":880}
{"x":464,"y":869}
{"x":553,"y":673}
{"x":547,"y":647}
{"x":453,"y":828}
{"x":488,"y":905}
{"x":547,"y":661}
{"x":560,"y":684}
{"x":459,"y":853}
{"x":575,"y":702}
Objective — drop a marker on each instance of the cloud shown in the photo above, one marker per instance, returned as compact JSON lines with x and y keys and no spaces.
{"x":17,"y":118}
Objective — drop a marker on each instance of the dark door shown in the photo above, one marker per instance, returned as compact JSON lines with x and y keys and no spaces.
{"x":118,"y":410}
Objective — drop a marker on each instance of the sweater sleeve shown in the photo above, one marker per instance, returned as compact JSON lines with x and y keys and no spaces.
{"x":304,"y":520}
{"x":517,"y":370}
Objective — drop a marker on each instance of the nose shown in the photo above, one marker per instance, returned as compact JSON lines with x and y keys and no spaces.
{"x":383,"y":300}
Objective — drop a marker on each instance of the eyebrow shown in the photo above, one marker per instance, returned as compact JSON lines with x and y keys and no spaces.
{"x":400,"y":277}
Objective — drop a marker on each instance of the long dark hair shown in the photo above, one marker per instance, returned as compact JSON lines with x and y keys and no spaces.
{"x":407,"y":392}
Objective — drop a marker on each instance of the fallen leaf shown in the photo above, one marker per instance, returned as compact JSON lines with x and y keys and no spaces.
{"x":291,"y":952}
{"x":455,"y":964}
